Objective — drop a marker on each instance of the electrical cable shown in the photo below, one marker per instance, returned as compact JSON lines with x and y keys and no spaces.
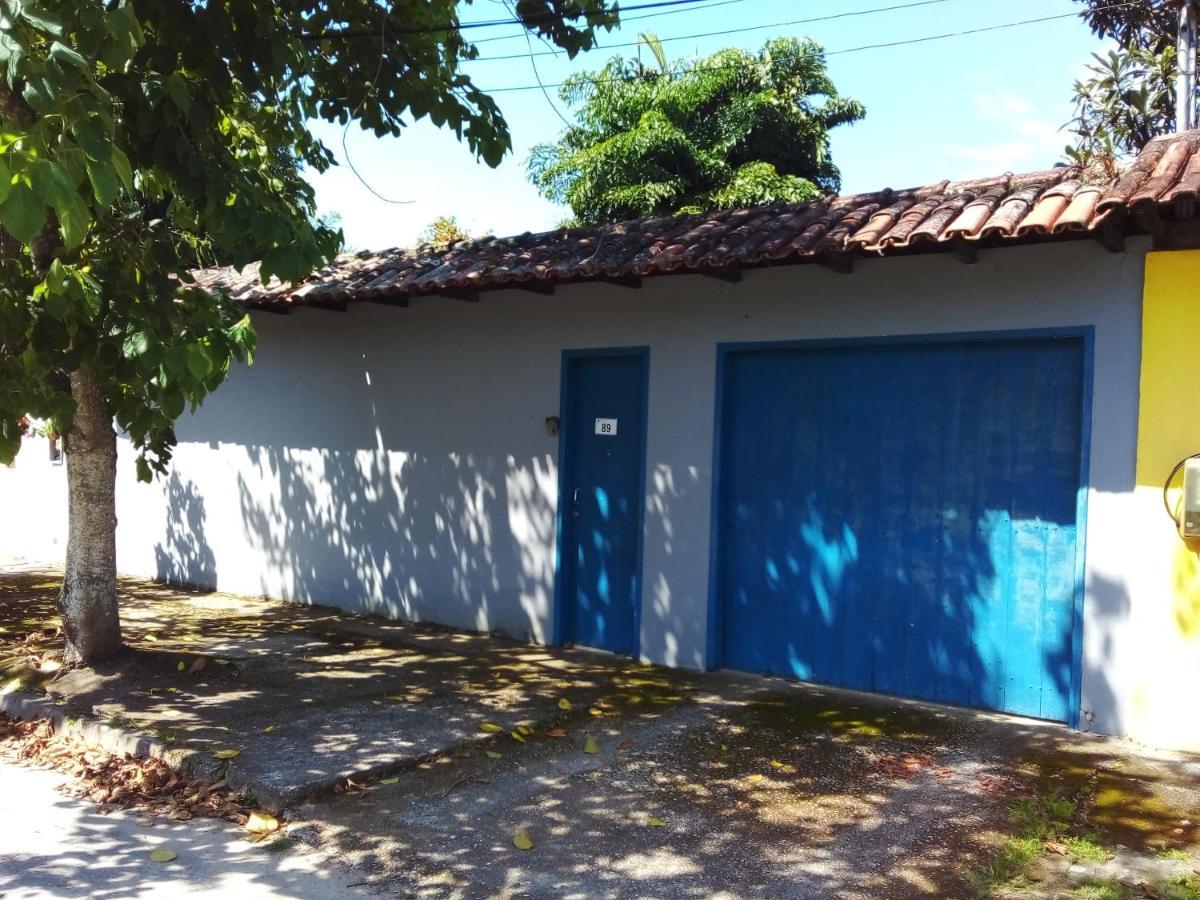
{"x":538,"y":75}
{"x":918,"y":40}
{"x":357,"y":109}
{"x":626,"y":19}
{"x":1167,"y":486}
{"x":464,"y":26}
{"x":707,"y":34}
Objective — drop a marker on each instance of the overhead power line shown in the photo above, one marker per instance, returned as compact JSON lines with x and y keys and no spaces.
{"x":625,"y":20}
{"x":900,"y":43}
{"x":464,"y":26}
{"x":743,"y":30}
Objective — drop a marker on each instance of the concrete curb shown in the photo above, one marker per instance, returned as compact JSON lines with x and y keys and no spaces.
{"x":118,"y":740}
{"x":113,"y":738}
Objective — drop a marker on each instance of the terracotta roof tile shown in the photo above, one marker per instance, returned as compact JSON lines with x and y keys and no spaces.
{"x":1052,"y":204}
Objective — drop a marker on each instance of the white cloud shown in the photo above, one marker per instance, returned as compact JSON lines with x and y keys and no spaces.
{"x":1012,"y":134}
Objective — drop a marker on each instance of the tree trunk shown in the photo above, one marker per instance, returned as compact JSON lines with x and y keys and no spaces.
{"x":88,"y":602}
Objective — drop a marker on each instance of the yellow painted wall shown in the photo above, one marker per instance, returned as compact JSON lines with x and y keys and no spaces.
{"x":1165,"y":700}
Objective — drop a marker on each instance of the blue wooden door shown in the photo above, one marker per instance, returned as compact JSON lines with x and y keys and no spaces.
{"x":602,"y":498}
{"x":902,"y":518}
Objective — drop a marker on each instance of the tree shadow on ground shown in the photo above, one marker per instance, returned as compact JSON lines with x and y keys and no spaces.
{"x":69,"y":849}
{"x":855,"y":807}
{"x":761,"y":790}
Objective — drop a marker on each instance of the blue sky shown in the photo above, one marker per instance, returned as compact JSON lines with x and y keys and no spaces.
{"x":961,"y":107}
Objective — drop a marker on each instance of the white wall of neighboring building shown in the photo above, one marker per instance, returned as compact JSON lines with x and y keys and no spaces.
{"x":395,"y":460}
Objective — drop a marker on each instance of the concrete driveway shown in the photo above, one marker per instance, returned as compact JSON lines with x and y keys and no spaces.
{"x":750,"y":789}
{"x":424,"y":757}
{"x":53,"y":846}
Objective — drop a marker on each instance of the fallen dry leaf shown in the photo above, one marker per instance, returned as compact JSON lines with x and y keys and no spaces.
{"x":522,"y":841}
{"x":391,"y":779}
{"x":591,"y":745}
{"x":655,"y":822}
{"x":903,"y":767}
{"x":517,"y":736}
{"x":261,"y":822}
{"x":556,"y":732}
{"x":227,"y":753}
{"x":492,"y":754}
{"x":161,"y":855}
{"x":564,"y":703}
{"x":197,"y":665}
{"x":624,"y":743}
{"x":490,"y":728}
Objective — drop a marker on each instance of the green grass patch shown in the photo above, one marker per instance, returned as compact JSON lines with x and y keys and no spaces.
{"x":1006,"y":866}
{"x":1085,"y":849}
{"x":1051,"y":817}
{"x":1044,"y":817}
{"x":1108,"y":889}
{"x":1174,"y":853}
{"x":1181,"y":887}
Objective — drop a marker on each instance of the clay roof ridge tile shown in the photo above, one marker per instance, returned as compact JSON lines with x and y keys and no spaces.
{"x":974,"y":214}
{"x":1128,"y":183}
{"x":880,"y":223}
{"x":778,"y":245}
{"x":1163,"y":177}
{"x":931,"y":228}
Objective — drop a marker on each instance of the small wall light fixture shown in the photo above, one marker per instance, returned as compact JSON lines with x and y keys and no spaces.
{"x":552,"y":426}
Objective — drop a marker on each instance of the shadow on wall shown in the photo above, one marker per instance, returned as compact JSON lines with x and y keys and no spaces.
{"x":1187,"y":588}
{"x":1109,"y":609}
{"x":184,"y":556}
{"x":461,"y":540}
{"x":673,"y":627}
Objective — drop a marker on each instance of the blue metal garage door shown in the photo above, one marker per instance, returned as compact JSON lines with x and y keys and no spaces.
{"x":903,"y":518}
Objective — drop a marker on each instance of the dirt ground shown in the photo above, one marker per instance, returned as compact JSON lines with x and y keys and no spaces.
{"x":456,"y":765}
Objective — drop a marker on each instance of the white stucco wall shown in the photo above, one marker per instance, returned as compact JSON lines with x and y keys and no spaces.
{"x":395,"y":460}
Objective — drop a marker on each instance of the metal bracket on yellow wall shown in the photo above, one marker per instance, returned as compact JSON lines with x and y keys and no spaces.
{"x":1187,"y":519}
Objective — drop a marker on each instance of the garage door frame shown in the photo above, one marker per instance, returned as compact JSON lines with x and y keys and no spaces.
{"x":1083,"y":333}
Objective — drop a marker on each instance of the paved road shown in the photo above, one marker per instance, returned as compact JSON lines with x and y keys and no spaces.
{"x":54,"y":846}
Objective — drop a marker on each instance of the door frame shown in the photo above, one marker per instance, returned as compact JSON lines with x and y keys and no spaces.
{"x":563,"y":580}
{"x":1084,"y":333}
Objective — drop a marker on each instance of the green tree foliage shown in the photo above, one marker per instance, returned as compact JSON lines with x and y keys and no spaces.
{"x":132,"y":132}
{"x":1127,"y":96}
{"x":732,"y":129}
{"x":139,"y":136}
{"x":442,"y":232}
